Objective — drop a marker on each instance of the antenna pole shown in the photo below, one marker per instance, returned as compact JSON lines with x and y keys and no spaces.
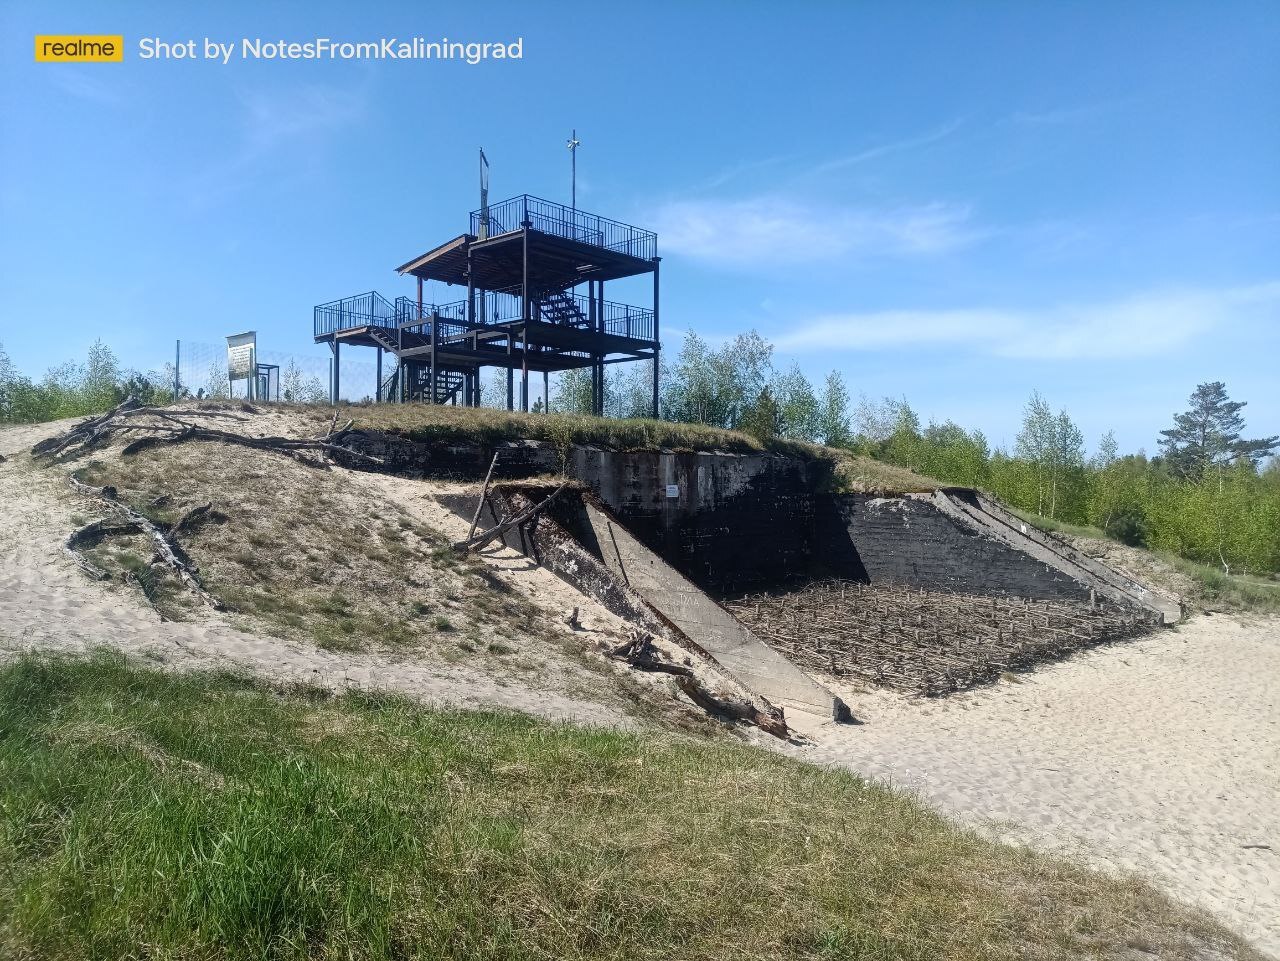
{"x":573,"y":145}
{"x":484,"y":195}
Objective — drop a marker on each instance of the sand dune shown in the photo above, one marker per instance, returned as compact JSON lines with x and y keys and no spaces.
{"x":1159,"y":756}
{"x":1156,"y":756}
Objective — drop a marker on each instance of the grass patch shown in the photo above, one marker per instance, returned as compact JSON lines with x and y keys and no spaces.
{"x":838,"y":469}
{"x":1235,"y":592}
{"x":1060,"y":527}
{"x":1201,"y":585}
{"x":307,"y":556}
{"x":202,"y":816}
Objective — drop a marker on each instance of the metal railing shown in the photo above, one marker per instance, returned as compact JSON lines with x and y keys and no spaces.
{"x":499,"y":306}
{"x":361,"y":310}
{"x":627,"y":321}
{"x":558,"y":220}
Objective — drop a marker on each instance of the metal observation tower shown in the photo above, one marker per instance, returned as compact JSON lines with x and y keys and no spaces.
{"x":534,"y":272}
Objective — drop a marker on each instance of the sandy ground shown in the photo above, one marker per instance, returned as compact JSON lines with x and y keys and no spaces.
{"x":47,"y":604}
{"x":1159,"y":756}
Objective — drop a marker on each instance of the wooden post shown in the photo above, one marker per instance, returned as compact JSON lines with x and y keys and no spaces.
{"x":484,"y":493}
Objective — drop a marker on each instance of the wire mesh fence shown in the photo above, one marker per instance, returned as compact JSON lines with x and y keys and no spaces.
{"x":201,"y":371}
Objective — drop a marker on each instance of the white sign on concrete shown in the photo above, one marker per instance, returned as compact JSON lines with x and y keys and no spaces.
{"x":241,"y":349}
{"x":673,"y":490}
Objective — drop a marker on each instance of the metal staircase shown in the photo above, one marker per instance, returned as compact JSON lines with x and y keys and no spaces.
{"x":559,"y":307}
{"x":417,"y":380}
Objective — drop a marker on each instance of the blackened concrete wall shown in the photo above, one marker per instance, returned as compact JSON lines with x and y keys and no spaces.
{"x":909,"y":541}
{"x":728,"y":522}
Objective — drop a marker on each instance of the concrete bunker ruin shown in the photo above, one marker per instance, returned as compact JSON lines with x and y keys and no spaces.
{"x":751,"y":558}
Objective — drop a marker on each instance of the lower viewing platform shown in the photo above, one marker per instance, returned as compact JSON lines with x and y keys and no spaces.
{"x":564,"y":331}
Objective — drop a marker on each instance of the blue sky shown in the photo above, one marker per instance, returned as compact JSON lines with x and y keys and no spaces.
{"x":953,"y":202}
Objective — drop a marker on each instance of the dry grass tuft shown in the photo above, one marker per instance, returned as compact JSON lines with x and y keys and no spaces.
{"x":310,"y":556}
{"x":844,"y":470}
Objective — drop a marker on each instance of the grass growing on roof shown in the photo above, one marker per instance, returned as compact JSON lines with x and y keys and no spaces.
{"x":202,"y":816}
{"x":839,"y":469}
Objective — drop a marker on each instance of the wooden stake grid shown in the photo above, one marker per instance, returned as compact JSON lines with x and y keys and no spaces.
{"x":927,"y":642}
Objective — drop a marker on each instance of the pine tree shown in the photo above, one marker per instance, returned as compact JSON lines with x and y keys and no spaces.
{"x":1208,"y":435}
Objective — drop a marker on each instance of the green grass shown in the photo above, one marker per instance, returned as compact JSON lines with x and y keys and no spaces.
{"x":1234,"y":592}
{"x":1060,"y":527}
{"x":838,"y":469}
{"x":1212,"y":587}
{"x":200,"y":816}
{"x":440,"y":422}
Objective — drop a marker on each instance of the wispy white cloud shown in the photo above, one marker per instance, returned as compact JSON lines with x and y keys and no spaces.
{"x":1146,"y":324}
{"x":272,"y":118}
{"x":277,"y":126}
{"x":735,"y":171}
{"x":1060,"y":116}
{"x":772,"y":229}
{"x":876,"y":151}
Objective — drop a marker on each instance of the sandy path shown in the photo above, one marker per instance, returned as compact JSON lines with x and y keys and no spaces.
{"x":47,"y":604}
{"x":1159,"y":756}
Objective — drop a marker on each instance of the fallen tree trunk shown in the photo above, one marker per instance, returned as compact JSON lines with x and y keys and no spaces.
{"x":493,"y":533}
{"x":738,"y":709}
{"x":640,"y":653}
{"x":85,"y":433}
{"x":91,"y":534}
{"x":281,"y":445}
{"x":177,"y":430}
{"x":167,"y":551}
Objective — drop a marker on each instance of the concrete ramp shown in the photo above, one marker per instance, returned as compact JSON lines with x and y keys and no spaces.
{"x":721,"y":635}
{"x":995,"y":521}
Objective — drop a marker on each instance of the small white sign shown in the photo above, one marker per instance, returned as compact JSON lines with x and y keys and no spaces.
{"x":240,"y":355}
{"x":673,"y":490}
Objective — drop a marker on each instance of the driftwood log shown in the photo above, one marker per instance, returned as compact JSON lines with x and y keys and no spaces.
{"x":640,"y":652}
{"x":87,"y":433}
{"x":484,"y":495}
{"x":167,"y":550}
{"x":295,"y":448}
{"x":478,"y":541}
{"x":172,"y":427}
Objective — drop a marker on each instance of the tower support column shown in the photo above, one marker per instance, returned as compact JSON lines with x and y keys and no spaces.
{"x":657,"y":361}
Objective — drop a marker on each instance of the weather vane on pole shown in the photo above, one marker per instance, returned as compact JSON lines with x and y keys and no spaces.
{"x":573,"y":145}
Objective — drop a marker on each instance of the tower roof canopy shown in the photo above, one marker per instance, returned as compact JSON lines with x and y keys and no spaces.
{"x":566,"y":246}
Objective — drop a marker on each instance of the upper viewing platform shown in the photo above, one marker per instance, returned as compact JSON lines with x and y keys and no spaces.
{"x":566,"y":246}
{"x":549,"y":217}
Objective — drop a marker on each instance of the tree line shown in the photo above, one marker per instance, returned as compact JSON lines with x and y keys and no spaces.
{"x":1209,"y":493}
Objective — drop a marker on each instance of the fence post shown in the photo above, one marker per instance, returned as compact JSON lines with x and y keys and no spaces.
{"x":177,"y":370}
